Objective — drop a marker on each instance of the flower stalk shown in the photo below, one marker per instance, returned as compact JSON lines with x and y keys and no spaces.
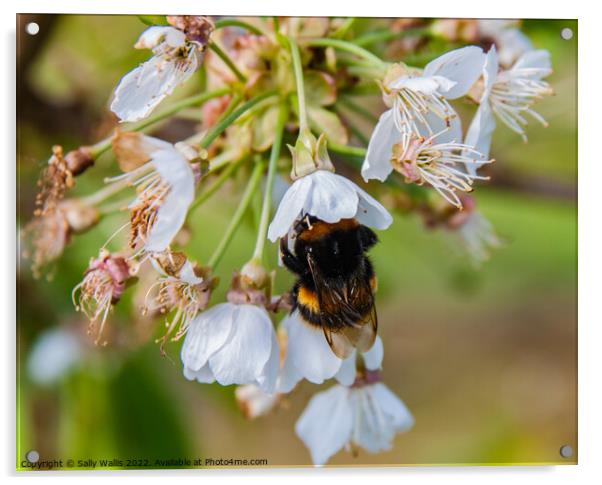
{"x":267,"y":197}
{"x":238,"y":215}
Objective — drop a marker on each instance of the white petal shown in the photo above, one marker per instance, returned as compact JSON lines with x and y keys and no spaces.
{"x":377,"y":164}
{"x":370,"y":212}
{"x":242,"y":358}
{"x":513,"y":44}
{"x":204,"y":375}
{"x":347,"y":372}
{"x":325,"y":424}
{"x":188,"y":275}
{"x":309,"y":352}
{"x":331,"y":198}
{"x":490,"y":71}
{"x":371,"y":428}
{"x":480,"y":133}
{"x":290,"y":207}
{"x":373,"y":359}
{"x":171,"y":215}
{"x":156,"y":34}
{"x":400,"y":417}
{"x":463,"y":66}
{"x":424,"y":84}
{"x":142,"y":89}
{"x":288,"y":377}
{"x":206,"y":334}
{"x":534,"y":64}
{"x":269,"y":375}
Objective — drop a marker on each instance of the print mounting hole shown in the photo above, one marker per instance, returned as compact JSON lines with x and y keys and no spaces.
{"x":32,"y":28}
{"x":566,"y":33}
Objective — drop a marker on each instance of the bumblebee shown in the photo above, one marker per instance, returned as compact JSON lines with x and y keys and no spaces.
{"x":336,"y":282}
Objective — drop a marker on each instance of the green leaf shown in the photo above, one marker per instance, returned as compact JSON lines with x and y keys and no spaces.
{"x":264,"y":128}
{"x":320,"y":88}
{"x":327,"y":122}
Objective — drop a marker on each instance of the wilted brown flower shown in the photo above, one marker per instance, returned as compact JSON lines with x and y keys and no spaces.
{"x":197,"y":28}
{"x":103,"y":284}
{"x":54,"y":181}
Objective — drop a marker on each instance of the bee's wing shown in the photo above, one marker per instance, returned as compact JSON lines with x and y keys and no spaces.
{"x":356,"y":330}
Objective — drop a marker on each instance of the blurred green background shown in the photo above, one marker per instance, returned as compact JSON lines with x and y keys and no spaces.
{"x":484,"y":358}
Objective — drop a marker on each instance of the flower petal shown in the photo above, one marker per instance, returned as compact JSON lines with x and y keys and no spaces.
{"x":480,"y":133}
{"x":290,"y":207}
{"x":267,"y":379}
{"x":331,"y":198}
{"x":243,"y":357}
{"x":347,"y":372}
{"x":463,"y":66}
{"x":204,"y":375}
{"x":370,"y":212}
{"x":142,"y":89}
{"x":373,"y":359}
{"x":206,"y":334}
{"x":377,"y":164}
{"x":156,"y":34}
{"x":176,"y":171}
{"x":309,"y":352}
{"x":326,"y":423}
{"x":400,"y":417}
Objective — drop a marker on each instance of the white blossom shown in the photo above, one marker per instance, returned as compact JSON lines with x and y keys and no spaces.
{"x":368,"y":415}
{"x":175,"y":59}
{"x":232,"y":344}
{"x":509,"y":95}
{"x":330,"y":198}
{"x":440,"y":159}
{"x":412,"y":95}
{"x":165,"y":190}
{"x":308,"y":356}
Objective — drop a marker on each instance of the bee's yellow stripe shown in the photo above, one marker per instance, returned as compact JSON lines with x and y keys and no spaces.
{"x":308,"y":299}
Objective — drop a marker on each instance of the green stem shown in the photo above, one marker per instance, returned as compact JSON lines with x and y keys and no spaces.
{"x":226,"y":59}
{"x":343,"y":29}
{"x":104,"y":145}
{"x":298,"y":70}
{"x":267,"y":196}
{"x":349,"y":47}
{"x":385,"y":35}
{"x":206,"y":194}
{"x":227,"y":120}
{"x":238,"y":215}
{"x":219,"y":24}
{"x":356,"y":152}
{"x":358,"y":109}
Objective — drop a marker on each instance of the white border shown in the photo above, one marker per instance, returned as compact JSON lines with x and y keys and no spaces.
{"x":590,"y":241}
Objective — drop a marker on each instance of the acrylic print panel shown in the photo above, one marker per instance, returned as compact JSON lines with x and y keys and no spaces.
{"x":192,"y":293}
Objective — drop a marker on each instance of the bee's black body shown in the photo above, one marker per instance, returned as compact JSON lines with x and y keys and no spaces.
{"x":336,"y":282}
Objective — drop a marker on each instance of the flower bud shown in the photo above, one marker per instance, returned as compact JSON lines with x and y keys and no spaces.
{"x":79,"y":216}
{"x":78,"y":161}
{"x":254,"y":275}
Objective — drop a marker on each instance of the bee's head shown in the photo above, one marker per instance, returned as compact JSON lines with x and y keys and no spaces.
{"x":334,"y":248}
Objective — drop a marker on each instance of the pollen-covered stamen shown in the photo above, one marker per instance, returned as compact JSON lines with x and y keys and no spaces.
{"x":412,"y":107}
{"x":102,"y":287}
{"x":54,"y":181}
{"x":514,"y":93}
{"x":442,"y":165}
{"x":152,"y":190}
{"x":186,"y":290}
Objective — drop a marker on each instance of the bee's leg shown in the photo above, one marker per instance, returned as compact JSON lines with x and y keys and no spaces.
{"x":289,"y":259}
